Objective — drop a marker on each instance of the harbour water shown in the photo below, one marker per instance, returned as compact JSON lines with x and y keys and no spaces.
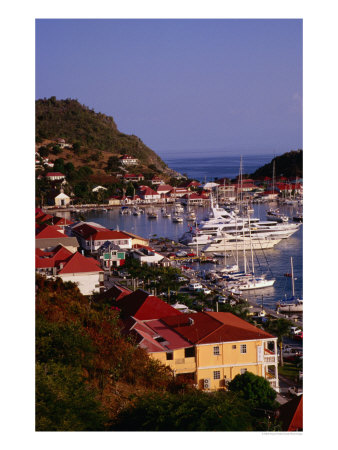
{"x":274,"y":262}
{"x":206,"y":169}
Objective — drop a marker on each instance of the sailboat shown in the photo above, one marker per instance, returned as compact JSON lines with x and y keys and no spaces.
{"x":294,"y":304}
{"x":250,"y":281}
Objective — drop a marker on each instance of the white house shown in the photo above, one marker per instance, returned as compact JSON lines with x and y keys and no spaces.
{"x":147,"y":255}
{"x":55,"y":176}
{"x":86,"y":272}
{"x":127,"y":160}
{"x":62,"y":199}
{"x":148,"y":195}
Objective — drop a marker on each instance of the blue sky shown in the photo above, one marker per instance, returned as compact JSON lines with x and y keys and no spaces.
{"x":196,"y":86}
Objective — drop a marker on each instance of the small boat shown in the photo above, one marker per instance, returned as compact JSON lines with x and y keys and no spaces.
{"x":290,"y":306}
{"x":274,"y":214}
{"x":293,"y":305}
{"x":177,"y":219}
{"x":152,"y":215}
{"x":191,"y":216}
{"x":137,"y":212}
{"x":298,"y":217}
{"x":165,"y":213}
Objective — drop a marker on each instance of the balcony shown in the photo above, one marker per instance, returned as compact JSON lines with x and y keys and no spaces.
{"x":269,"y":356}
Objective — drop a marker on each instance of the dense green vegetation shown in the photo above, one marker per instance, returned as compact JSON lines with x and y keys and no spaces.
{"x":89,"y":377}
{"x":86,"y":129}
{"x":289,"y":165}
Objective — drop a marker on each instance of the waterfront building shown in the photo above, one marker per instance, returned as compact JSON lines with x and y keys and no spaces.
{"x":92,"y":235}
{"x":147,"y":255}
{"x":62,"y":199}
{"x":115,"y":200}
{"x":136,"y":240}
{"x":148,"y":195}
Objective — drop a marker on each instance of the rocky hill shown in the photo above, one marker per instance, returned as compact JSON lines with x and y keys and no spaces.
{"x":92,"y":133}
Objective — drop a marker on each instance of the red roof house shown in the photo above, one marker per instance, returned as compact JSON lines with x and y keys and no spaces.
{"x":143,"y":306}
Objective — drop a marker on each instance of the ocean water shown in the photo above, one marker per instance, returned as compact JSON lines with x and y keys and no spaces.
{"x":205,"y":168}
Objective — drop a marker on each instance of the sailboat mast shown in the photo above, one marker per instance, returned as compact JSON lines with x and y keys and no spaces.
{"x":252,"y":258}
{"x":292,"y":278}
{"x":244,"y":255}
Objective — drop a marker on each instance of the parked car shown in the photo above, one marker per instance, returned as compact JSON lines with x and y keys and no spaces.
{"x":294,"y":390}
{"x":194,"y":286}
{"x":295,"y":330}
{"x":221,"y":299}
{"x":182,"y":279}
{"x":181,"y":253}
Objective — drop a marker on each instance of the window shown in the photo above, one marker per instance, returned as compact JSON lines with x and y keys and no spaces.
{"x":170,"y":356}
{"x":243,"y":371}
{"x":189,"y":352}
{"x":234,"y":347}
{"x":216,"y":350}
{"x":217,"y":375}
{"x":243,"y":348}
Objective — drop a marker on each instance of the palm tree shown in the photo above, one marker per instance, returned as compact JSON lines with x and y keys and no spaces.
{"x":279,"y":328}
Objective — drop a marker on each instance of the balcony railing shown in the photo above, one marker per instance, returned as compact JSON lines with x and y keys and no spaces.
{"x":269,"y":356}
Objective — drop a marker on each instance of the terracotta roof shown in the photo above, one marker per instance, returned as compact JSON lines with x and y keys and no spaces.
{"x":51,"y":259}
{"x":55,"y":174}
{"x":172,"y":339}
{"x":291,"y":414}
{"x":78,"y":263}
{"x":61,"y":221}
{"x":116,"y":292}
{"x":209,"y":327}
{"x":164,"y":187}
{"x":143,"y":306}
{"x":146,"y":190}
{"x":98,"y":233}
{"x":49,"y":231}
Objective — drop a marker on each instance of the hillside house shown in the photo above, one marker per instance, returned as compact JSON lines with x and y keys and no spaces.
{"x":215,"y":347}
{"x":48,"y":237}
{"x":148,"y":195}
{"x":156,"y":181}
{"x":127,"y":160}
{"x":55,"y":176}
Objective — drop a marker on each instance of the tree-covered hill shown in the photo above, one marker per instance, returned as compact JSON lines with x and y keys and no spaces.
{"x":289,"y":165}
{"x":80,"y":125}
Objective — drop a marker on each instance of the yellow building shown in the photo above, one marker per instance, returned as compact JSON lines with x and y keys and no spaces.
{"x":212,"y":347}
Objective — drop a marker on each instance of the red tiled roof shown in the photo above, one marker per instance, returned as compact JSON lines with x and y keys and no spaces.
{"x":78,"y":263}
{"x":54,"y":174}
{"x":143,"y":306}
{"x":116,"y":292}
{"x":98,"y":233}
{"x":146,"y":190}
{"x":61,"y":221}
{"x":173,"y":340}
{"x":209,"y":327}
{"x":51,"y":259}
{"x":50,"y":232}
{"x":164,"y":187}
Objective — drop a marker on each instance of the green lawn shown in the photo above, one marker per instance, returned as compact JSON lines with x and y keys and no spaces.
{"x":289,"y":370}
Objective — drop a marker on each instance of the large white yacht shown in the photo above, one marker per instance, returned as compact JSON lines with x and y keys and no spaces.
{"x":228,"y":242}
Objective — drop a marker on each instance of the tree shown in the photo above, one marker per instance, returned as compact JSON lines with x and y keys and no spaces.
{"x":193,"y":411}
{"x":113,"y":163}
{"x":76,"y":147}
{"x":43,"y":151}
{"x":279,"y":328}
{"x":59,"y":165}
{"x":56,"y":150}
{"x":254,"y":389}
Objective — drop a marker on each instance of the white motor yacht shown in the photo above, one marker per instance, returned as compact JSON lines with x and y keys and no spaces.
{"x":228,"y":243}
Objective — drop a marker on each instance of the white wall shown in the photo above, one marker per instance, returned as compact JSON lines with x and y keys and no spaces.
{"x":87,"y":282}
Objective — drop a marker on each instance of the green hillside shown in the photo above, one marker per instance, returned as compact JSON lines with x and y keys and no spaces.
{"x":289,"y":165}
{"x":77,"y":123}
